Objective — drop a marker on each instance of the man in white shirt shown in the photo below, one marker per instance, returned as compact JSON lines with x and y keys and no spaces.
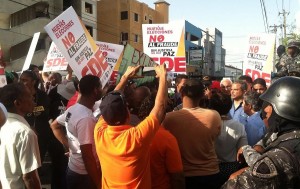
{"x":83,"y":167}
{"x":19,"y":151}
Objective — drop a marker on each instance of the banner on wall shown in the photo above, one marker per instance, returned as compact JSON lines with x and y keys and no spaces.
{"x":78,"y":47}
{"x":164,"y":43}
{"x":259,"y":59}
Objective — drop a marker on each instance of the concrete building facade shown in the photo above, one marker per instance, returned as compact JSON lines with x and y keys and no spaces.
{"x":214,"y":53}
{"x":120,"y":21}
{"x":19,"y":20}
{"x":194,"y":50}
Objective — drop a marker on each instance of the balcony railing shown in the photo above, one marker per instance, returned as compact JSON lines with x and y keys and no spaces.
{"x":34,"y":11}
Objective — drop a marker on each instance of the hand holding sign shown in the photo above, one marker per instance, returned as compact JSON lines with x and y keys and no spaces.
{"x":131,"y":72}
{"x":161,"y":70}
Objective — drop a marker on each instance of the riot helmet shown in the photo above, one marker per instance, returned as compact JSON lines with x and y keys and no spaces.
{"x":284,"y":94}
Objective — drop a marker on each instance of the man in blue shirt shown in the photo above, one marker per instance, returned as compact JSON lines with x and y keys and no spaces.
{"x":237,"y":94}
{"x":254,"y":126}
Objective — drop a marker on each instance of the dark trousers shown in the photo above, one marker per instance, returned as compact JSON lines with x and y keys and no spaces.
{"x":79,"y":181}
{"x":203,"y":182}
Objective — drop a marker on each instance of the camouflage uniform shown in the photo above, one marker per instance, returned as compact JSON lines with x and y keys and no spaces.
{"x":288,"y":64}
{"x":251,"y":155}
{"x":278,"y":167}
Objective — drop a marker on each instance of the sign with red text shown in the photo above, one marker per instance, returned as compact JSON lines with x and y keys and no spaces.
{"x":77,"y":46}
{"x":55,"y":60}
{"x":164,"y":43}
{"x":2,"y":70}
{"x":112,"y":53}
{"x":2,"y":77}
{"x":258,"y":62}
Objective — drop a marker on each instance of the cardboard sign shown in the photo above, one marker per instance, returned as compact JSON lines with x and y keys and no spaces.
{"x":31,"y":51}
{"x":258,"y":61}
{"x":164,"y":43}
{"x":78,"y":47}
{"x":55,"y":60}
{"x":134,"y":57}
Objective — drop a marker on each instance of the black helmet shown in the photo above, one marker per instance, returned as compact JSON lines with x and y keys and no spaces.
{"x":284,"y":95}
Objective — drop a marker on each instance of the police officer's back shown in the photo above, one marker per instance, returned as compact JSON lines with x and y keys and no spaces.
{"x":279,"y":165}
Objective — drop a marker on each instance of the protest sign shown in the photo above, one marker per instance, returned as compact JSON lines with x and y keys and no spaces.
{"x":55,"y":60}
{"x":78,"y":47}
{"x":31,"y":51}
{"x":258,"y":62}
{"x":2,"y":77}
{"x":2,"y":70}
{"x":134,"y":57}
{"x":112,"y":53}
{"x":164,"y":43}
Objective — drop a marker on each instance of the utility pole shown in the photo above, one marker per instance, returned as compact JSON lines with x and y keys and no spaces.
{"x":284,"y":13}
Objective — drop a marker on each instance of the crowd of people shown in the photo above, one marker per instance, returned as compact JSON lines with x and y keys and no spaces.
{"x":210,"y":134}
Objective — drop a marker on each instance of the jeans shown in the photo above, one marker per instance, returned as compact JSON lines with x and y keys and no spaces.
{"x":79,"y":181}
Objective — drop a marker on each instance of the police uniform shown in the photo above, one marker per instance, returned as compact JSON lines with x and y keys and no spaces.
{"x":279,"y":165}
{"x":287,"y":63}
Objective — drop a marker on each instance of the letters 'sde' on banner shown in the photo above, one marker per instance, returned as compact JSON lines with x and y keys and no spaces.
{"x":258,"y":61}
{"x":165,"y":43}
{"x":77,"y":46}
{"x":55,"y":61}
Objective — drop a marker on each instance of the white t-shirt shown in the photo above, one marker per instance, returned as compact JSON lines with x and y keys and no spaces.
{"x":19,"y":151}
{"x":231,"y":138}
{"x":80,"y":124}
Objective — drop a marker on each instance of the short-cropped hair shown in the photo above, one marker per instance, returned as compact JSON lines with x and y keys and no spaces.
{"x":11,"y":92}
{"x":88,"y":83}
{"x":252,"y":98}
{"x":193,"y":89}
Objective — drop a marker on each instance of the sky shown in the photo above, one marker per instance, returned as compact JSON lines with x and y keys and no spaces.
{"x":236,"y":19}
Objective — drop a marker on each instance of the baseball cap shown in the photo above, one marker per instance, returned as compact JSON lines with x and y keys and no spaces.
{"x":216,"y":85}
{"x":114,"y":108}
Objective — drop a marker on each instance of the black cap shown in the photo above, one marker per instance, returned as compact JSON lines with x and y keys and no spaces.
{"x":114,"y":108}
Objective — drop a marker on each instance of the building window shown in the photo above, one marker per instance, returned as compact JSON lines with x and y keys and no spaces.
{"x":136,"y":38}
{"x":88,"y":8}
{"x":136,"y":17}
{"x":145,"y":17}
{"x":150,"y":21}
{"x":124,"y":15}
{"x":90,"y":30}
{"x":124,"y":37}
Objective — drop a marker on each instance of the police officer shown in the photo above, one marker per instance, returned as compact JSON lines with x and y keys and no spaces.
{"x":279,"y":164}
{"x":290,"y":63}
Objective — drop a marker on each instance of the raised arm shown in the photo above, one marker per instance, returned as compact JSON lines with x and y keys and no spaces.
{"x":129,"y":74}
{"x":159,"y":108}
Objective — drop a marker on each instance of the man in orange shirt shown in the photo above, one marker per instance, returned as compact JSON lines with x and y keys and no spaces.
{"x":123,"y":150}
{"x":165,"y":159}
